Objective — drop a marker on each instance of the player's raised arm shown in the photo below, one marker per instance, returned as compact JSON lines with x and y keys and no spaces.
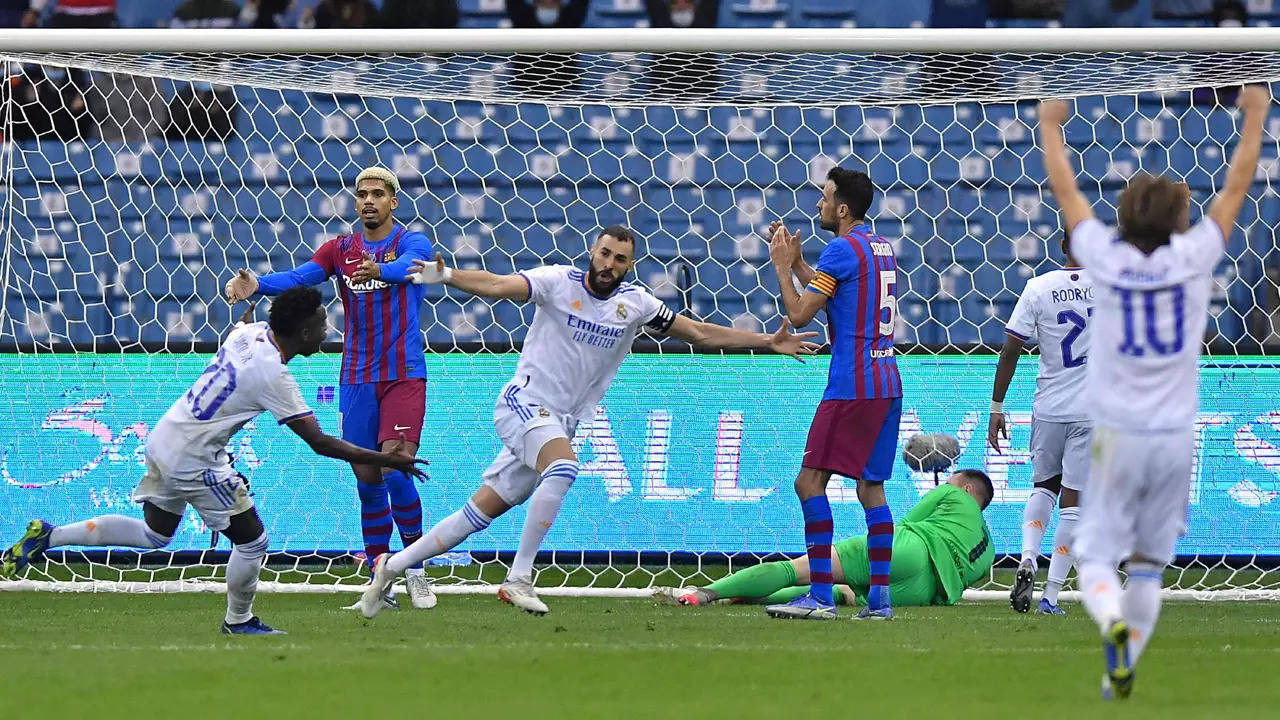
{"x":708,"y":336}
{"x":1062,"y":179}
{"x":1255,"y":101}
{"x":481,"y":283}
{"x":784,"y":251}
{"x":319,"y":268}
{"x":309,"y":430}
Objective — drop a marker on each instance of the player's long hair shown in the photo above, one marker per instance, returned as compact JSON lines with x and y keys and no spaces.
{"x":1152,"y":207}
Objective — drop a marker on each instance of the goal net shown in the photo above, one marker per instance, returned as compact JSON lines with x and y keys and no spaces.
{"x":140,"y":170}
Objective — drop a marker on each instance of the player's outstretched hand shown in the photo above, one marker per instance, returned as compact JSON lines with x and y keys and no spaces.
{"x":1054,"y":112}
{"x":996,"y":427}
{"x":367,"y":270}
{"x":408,"y":464}
{"x":241,"y":287}
{"x":785,"y":342}
{"x":1254,"y":99}
{"x":426,"y":273}
{"x":247,"y":316}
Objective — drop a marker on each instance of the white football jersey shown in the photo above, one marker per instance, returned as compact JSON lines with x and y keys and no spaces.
{"x":1054,"y":311}
{"x":577,"y":340}
{"x":1148,"y":325}
{"x":246,"y":378}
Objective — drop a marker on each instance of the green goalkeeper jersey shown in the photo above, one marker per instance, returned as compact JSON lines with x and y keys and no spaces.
{"x":950,"y":522}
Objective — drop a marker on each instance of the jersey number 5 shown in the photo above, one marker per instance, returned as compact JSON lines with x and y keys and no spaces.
{"x":1071,"y":317}
{"x":213,"y":387}
{"x":888,"y":284}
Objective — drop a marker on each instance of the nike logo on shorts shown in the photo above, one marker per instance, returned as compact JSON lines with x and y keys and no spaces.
{"x":401,"y":427}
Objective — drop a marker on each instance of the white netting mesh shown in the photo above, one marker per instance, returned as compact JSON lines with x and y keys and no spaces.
{"x":132,"y":193}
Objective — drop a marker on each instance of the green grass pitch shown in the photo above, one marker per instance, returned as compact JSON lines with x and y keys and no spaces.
{"x":133,"y":656}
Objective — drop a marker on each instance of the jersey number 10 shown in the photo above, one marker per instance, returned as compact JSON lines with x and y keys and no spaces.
{"x":1133,"y":345}
{"x":212,"y":388}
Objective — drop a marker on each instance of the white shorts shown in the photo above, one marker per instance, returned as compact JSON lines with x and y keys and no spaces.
{"x":217,"y":495}
{"x":1136,"y":502}
{"x":524,"y":428}
{"x":1059,"y":448}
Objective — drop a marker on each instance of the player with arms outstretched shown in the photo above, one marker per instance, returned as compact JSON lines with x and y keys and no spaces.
{"x":187,"y":462}
{"x":1054,"y":311}
{"x":855,"y":430}
{"x":1152,"y":280}
{"x":382,"y":385}
{"x":582,"y":330}
{"x":941,"y":547}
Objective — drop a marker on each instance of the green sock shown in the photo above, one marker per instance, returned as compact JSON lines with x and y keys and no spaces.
{"x":756,"y":581}
{"x":786,"y":595}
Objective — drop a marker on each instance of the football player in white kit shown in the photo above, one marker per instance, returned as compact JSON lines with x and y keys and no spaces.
{"x":582,"y":329}
{"x":187,"y":462}
{"x":1053,"y":311}
{"x":1152,"y":280}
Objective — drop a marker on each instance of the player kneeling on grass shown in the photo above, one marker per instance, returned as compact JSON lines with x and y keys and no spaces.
{"x":582,"y":329}
{"x":941,"y":547}
{"x":187,"y":462}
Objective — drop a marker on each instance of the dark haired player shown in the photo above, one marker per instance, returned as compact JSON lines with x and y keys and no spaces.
{"x":582,"y":329}
{"x":942,"y":546}
{"x":1153,"y":279}
{"x":187,"y":461}
{"x":855,"y":430}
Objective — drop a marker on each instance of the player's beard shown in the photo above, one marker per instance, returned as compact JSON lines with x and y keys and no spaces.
{"x":832,"y":225}
{"x":374,"y":221}
{"x":603,"y":288}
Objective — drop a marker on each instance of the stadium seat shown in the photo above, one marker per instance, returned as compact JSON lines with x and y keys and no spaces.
{"x":754,"y":14}
{"x":617,"y":14}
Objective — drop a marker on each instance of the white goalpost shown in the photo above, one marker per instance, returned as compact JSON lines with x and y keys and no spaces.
{"x":141,"y":168}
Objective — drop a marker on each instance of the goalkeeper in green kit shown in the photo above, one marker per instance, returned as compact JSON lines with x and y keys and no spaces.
{"x":941,"y":547}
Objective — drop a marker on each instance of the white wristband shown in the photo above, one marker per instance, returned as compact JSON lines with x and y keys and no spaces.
{"x":446,"y":275}
{"x":997,"y":407}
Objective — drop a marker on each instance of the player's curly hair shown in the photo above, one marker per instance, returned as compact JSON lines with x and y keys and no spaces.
{"x":854,"y":189}
{"x":988,"y":490}
{"x":292,"y":309}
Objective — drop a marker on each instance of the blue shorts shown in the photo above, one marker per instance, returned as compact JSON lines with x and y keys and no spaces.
{"x":370,"y":414}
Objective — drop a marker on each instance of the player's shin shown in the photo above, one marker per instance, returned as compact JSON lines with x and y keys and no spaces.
{"x":544,"y":506}
{"x":757,"y":581}
{"x":1100,"y":591}
{"x":406,"y":506}
{"x":818,"y":529}
{"x":242,"y":578}
{"x":108,"y":531}
{"x":443,"y":537}
{"x":1035,"y":518}
{"x":879,"y":554}
{"x":1060,"y":563}
{"x":375,"y":519}
{"x":1140,"y":604}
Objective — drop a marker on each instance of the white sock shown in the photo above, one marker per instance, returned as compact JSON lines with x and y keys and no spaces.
{"x":1060,"y":563}
{"x":543,"y":508}
{"x":1100,"y":589}
{"x":1035,"y":518}
{"x":441,"y":538}
{"x":242,"y":578}
{"x":1140,"y":604}
{"x":107,"y":531}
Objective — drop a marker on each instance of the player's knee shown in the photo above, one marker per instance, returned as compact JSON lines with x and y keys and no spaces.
{"x":1069,"y":498}
{"x":1053,"y":484}
{"x":871,"y":494}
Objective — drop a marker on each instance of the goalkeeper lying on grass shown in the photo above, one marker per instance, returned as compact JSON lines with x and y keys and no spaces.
{"x":941,"y":547}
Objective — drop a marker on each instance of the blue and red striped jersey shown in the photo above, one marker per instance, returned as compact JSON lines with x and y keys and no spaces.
{"x":859,"y":276}
{"x":381,"y":337}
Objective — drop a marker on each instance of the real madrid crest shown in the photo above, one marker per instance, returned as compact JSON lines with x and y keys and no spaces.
{"x":543,"y":412}
{"x":622,"y":311}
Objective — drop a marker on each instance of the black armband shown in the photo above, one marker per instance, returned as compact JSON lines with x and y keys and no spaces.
{"x":662,"y":322}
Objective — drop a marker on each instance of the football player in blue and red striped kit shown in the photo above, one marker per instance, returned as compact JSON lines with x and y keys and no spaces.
{"x":855,"y":430}
{"x":382,"y":387}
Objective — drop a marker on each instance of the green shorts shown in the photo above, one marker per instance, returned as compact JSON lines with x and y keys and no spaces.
{"x":911,"y":576}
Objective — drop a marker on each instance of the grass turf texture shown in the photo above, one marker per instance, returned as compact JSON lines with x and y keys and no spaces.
{"x":127,"y":656}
